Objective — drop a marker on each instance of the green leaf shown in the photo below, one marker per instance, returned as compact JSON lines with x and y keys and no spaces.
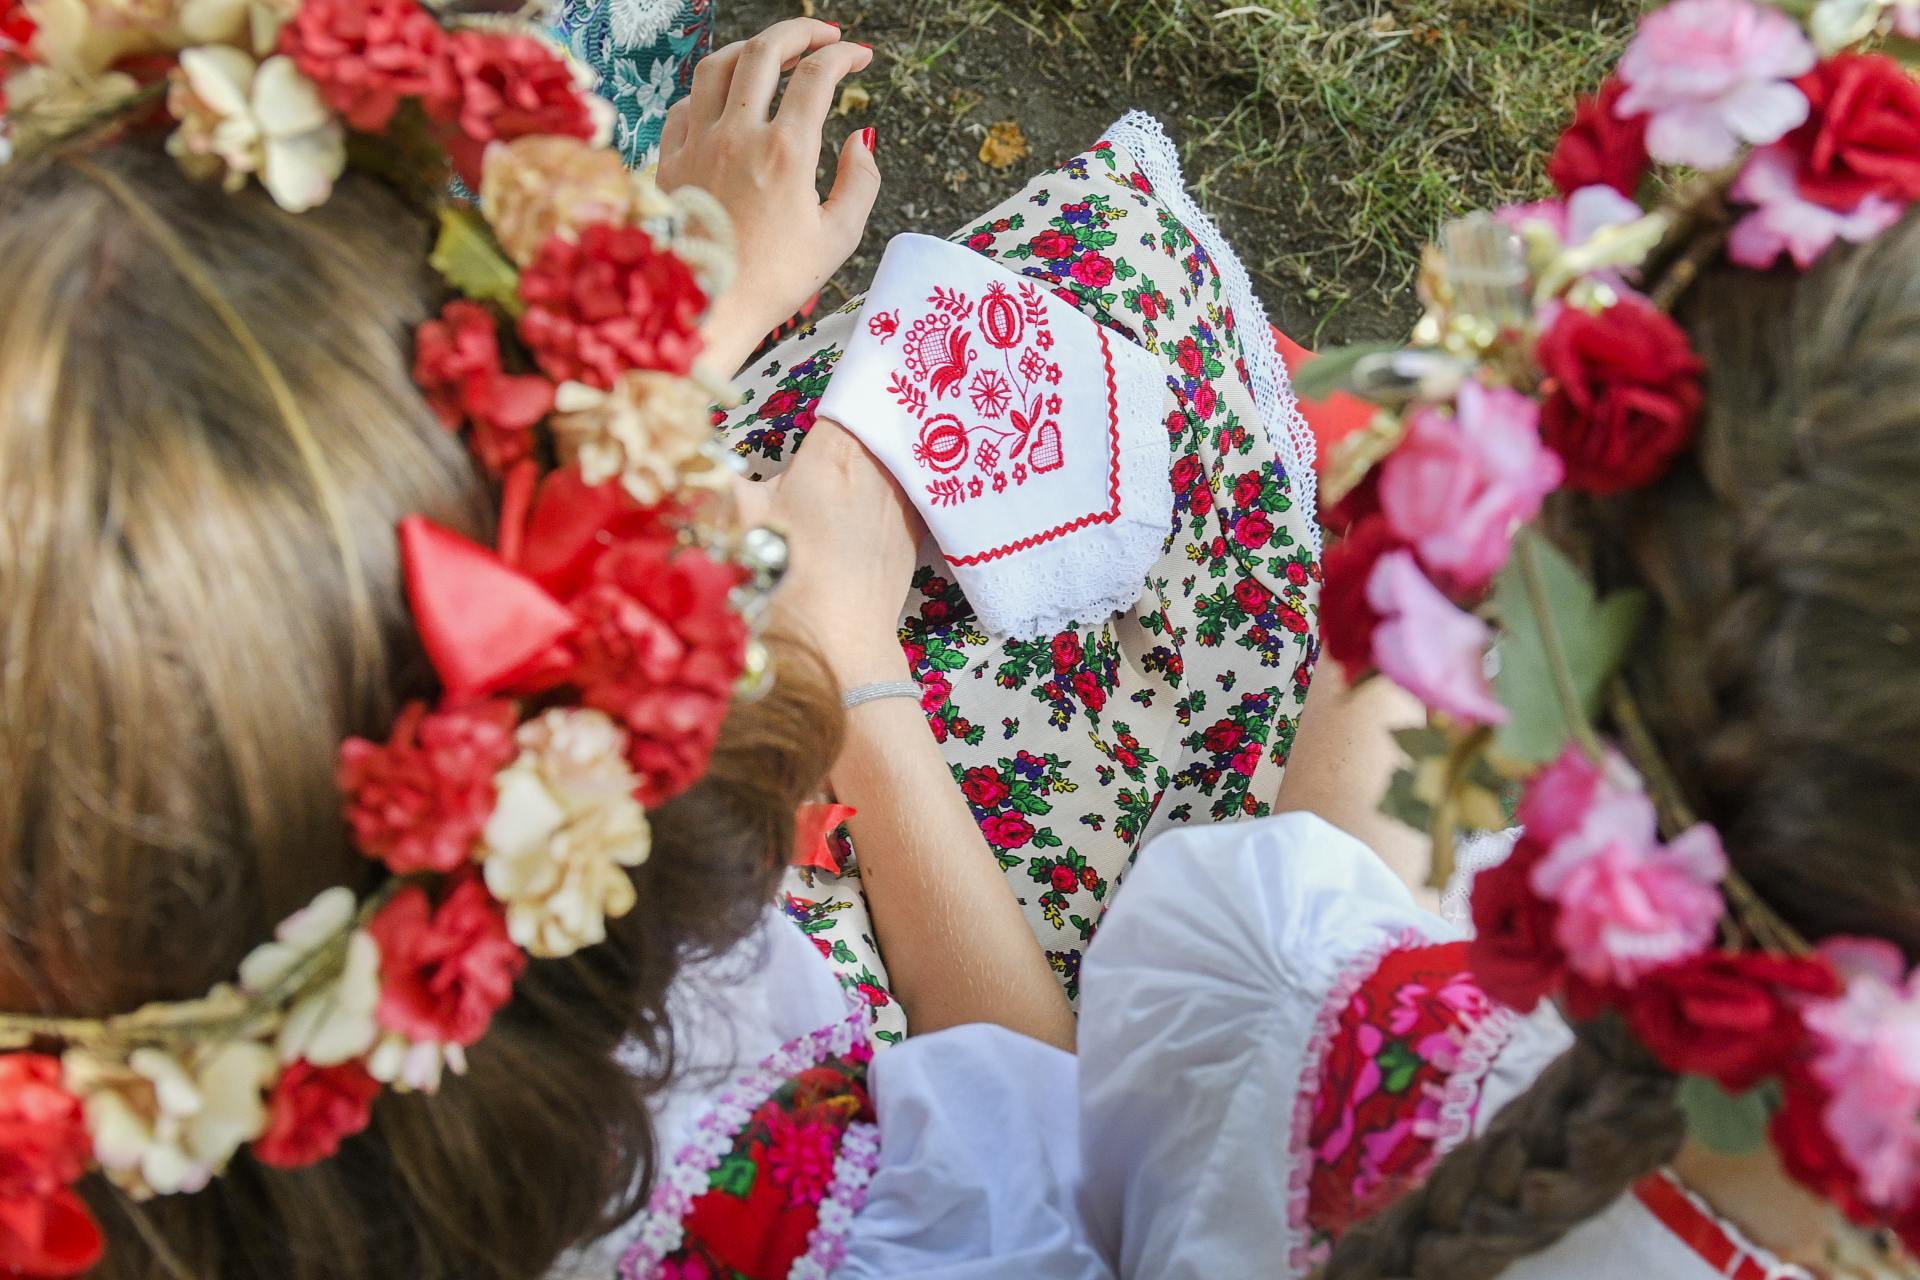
{"x":472,"y":263}
{"x":1403,"y":806}
{"x":1325,"y":374}
{"x":1731,"y":1125}
{"x":734,"y":1176}
{"x":1594,"y":635}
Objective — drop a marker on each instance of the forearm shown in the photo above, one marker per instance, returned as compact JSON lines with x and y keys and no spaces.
{"x":957,"y":946}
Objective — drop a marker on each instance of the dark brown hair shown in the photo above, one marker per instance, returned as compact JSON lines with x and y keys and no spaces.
{"x":1782,"y":682}
{"x":182,"y":649}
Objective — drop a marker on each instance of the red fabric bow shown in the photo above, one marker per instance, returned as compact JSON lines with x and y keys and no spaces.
{"x":812,"y":824}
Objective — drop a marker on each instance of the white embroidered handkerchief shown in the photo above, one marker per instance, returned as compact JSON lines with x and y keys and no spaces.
{"x":1029,"y":437}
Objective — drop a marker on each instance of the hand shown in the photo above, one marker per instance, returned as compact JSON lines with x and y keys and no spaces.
{"x":853,"y":542}
{"x":726,"y":138}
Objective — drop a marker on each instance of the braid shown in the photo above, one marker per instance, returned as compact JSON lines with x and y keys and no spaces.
{"x":1600,"y":1117}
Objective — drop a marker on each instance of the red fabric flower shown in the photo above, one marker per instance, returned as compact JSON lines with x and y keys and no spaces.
{"x":1863,"y":135}
{"x":506,"y":87}
{"x":367,"y":56}
{"x":445,"y":971}
{"x":1513,"y":954}
{"x":1064,"y":879}
{"x":312,"y":1110}
{"x":983,"y":786}
{"x":17,"y":29}
{"x":1066,"y":652}
{"x":611,"y":303}
{"x":1346,"y":619}
{"x":1251,"y":596}
{"x":1799,"y":1135}
{"x":1087,"y":685}
{"x":1599,"y":148}
{"x":1731,"y":1017}
{"x":45,"y":1229}
{"x":659,"y":649}
{"x":418,"y":802}
{"x":456,"y":362}
{"x":1622,"y":395}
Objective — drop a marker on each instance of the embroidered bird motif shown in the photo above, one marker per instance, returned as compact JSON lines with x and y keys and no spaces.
{"x":947,"y":365}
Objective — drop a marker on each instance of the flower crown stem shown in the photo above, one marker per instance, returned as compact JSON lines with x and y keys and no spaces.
{"x":1680,"y":275}
{"x":1446,"y":812}
{"x":1564,"y":688}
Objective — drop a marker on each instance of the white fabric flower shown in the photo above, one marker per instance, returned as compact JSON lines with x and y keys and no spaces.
{"x":333,"y":1023}
{"x":645,"y":432}
{"x":163,"y":1124}
{"x":253,"y":23}
{"x":564,"y":829}
{"x":85,"y":37}
{"x":240,"y":118}
{"x":415,"y":1066}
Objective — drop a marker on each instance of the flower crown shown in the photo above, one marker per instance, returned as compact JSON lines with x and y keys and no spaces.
{"x":1547,"y":360}
{"x":586,"y":662}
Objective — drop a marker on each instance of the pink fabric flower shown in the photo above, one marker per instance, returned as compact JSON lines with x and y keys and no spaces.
{"x":1867,"y":1054}
{"x":1784,"y":221}
{"x":1629,"y":904}
{"x":1713,"y":74}
{"x":1559,"y":796}
{"x":1460,"y":485}
{"x":1577,"y":219}
{"x":1427,"y":646}
{"x":800,"y":1156}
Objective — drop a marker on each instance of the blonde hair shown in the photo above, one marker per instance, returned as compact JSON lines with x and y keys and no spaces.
{"x":187,"y":636}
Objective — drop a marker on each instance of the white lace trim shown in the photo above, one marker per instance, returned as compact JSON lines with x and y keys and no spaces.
{"x":846,"y":1197}
{"x":1145,"y":139}
{"x":1478,"y":852}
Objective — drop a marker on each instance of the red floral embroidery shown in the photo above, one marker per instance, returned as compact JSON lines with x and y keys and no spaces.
{"x":989,"y":357}
{"x":1383,"y":1084}
{"x":762,"y":1202}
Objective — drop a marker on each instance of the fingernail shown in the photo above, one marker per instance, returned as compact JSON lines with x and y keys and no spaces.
{"x":867,"y":47}
{"x":830,"y":22}
{"x":868,"y":137}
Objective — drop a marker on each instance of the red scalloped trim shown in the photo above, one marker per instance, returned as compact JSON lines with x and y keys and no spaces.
{"x":1113,"y":481}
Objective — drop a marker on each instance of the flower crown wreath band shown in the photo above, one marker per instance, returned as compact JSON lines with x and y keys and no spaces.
{"x":1547,"y":360}
{"x":586,"y":662}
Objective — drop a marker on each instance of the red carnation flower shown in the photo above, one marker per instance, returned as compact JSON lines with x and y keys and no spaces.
{"x":419,"y":801}
{"x":1731,"y":1017}
{"x":445,"y":971}
{"x":507,"y":87}
{"x":456,"y":362}
{"x":1599,"y":148}
{"x":983,"y":786}
{"x":1514,"y":955}
{"x":608,"y":304}
{"x":312,"y":1110}
{"x":1622,"y":395}
{"x":367,"y":56}
{"x":1347,"y":621}
{"x":659,"y":649}
{"x":1862,"y":137}
{"x":45,"y":1229}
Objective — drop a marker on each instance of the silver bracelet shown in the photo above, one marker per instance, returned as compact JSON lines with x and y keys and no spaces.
{"x":860,"y":695}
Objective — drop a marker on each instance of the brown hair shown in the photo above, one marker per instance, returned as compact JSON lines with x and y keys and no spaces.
{"x":182,"y":649}
{"x":1781,"y":683}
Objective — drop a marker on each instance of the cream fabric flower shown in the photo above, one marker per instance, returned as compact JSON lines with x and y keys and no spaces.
{"x":251,"y":24}
{"x":646,"y":432}
{"x":332,"y":1023}
{"x":240,"y":118}
{"x":163,"y":1124}
{"x":564,"y":829}
{"x":85,"y":37}
{"x":534,"y":188}
{"x":415,"y":1066}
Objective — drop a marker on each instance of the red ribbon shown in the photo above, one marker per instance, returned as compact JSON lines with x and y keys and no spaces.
{"x":486,"y":625}
{"x":812,"y":824}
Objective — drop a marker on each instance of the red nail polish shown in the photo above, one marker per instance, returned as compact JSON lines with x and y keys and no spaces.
{"x":868,"y":137}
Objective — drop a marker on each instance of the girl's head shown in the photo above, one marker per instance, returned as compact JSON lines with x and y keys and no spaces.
{"x":208,"y":431}
{"x":1778,"y":676}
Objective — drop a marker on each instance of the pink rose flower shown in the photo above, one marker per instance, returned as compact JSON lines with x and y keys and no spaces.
{"x":1713,"y":74}
{"x":1426,"y":645}
{"x":1459,"y":486}
{"x":1867,"y":1053}
{"x":1629,"y":904}
{"x":1784,"y":221}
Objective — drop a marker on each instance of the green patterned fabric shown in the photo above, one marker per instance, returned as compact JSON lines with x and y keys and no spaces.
{"x":643,"y":53}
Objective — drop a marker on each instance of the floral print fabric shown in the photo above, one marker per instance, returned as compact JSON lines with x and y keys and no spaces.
{"x":641,"y":53}
{"x":1076,"y":748}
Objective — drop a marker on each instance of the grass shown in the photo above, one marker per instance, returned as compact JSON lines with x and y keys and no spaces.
{"x":1364,"y":124}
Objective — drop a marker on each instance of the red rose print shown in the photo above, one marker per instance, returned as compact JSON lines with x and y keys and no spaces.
{"x":1064,"y":880}
{"x":984,"y":787}
{"x":311,"y":1110}
{"x":936,"y":611}
{"x":1054,"y":244}
{"x":1094,"y":270}
{"x":934,"y":690}
{"x":1087,"y":685}
{"x":1205,"y":400}
{"x":1293,"y":620}
{"x":1246,"y":761}
{"x":1066,"y":652}
{"x":1863,"y":137}
{"x":1186,"y":471}
{"x":1622,"y":395}
{"x":1192,"y":362}
{"x":1297,"y":573}
{"x":780,"y":403}
{"x":1224,"y":737}
{"x":1599,"y":148}
{"x":1254,"y":530}
{"x":1251,"y":596}
{"x":1201,"y":501}
{"x":1247,"y":489}
{"x":1006,"y":830}
{"x":980,"y":242}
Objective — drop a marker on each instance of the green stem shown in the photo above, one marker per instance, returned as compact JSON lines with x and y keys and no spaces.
{"x":1564,"y":688}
